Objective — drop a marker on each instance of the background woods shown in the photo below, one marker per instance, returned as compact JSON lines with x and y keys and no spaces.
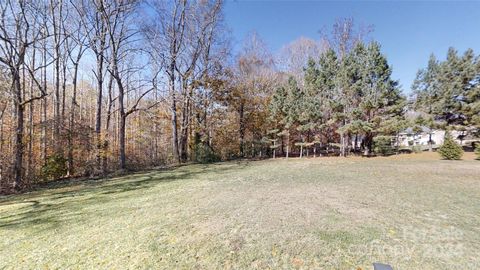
{"x":88,"y":87}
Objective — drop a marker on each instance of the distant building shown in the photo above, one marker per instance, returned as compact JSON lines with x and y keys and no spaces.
{"x":410,"y":137}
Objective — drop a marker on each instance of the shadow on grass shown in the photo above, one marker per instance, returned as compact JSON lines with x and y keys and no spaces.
{"x":50,"y":208}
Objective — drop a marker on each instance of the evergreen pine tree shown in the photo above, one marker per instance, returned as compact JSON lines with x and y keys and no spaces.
{"x":449,"y":91}
{"x":326,"y":84}
{"x":285,"y":107}
{"x":380,"y":105}
{"x":426,"y":88}
{"x":450,"y":149}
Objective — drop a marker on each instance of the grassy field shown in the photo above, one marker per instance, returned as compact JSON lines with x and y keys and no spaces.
{"x":410,"y":211}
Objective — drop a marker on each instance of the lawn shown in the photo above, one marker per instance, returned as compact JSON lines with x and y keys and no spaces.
{"x":410,"y":211}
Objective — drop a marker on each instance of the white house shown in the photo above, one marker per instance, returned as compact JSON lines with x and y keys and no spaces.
{"x":410,"y":138}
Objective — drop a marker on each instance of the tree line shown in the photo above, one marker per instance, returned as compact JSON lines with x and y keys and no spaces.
{"x":90,"y":87}
{"x":348,"y":100}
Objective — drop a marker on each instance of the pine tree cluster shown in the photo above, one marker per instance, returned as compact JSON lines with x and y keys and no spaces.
{"x":341,"y":96}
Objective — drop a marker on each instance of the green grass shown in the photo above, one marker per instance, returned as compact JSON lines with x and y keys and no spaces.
{"x":413,"y":212}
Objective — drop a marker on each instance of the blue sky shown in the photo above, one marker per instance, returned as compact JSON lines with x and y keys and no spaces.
{"x":409,"y":31}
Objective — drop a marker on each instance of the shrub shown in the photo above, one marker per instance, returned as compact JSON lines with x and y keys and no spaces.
{"x":55,"y":167}
{"x":383,"y":145}
{"x":417,"y":149}
{"x":450,"y":149}
{"x":205,"y":154}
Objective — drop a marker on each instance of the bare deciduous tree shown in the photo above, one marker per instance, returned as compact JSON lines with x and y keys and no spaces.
{"x":19,"y":30}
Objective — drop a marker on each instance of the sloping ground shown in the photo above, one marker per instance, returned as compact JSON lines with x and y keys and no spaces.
{"x":411,"y":211}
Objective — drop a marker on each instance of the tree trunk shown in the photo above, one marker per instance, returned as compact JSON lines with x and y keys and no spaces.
{"x":44,"y":105}
{"x":241,"y":113}
{"x":368,"y":144}
{"x":98,"y":116}
{"x":274,"y":145}
{"x":1,"y":144}
{"x":18,"y":138}
{"x":184,"y":128}
{"x":121,"y":138}
{"x":107,"y":137}
{"x":30,"y":132}
{"x":56,"y":123}
{"x":288,"y":144}
{"x":56,"y":16}
{"x":173,"y":108}
{"x":156,"y":133}
{"x":356,"y":143}
{"x":71,"y":127}
{"x":64,"y":88}
{"x":122,"y":124}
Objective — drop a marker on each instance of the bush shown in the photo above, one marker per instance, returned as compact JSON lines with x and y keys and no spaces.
{"x":55,"y":167}
{"x":450,"y":149}
{"x":205,"y":154}
{"x":417,"y":149}
{"x":383,"y":145}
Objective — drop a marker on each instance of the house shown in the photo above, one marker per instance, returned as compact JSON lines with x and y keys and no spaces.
{"x":410,"y":137}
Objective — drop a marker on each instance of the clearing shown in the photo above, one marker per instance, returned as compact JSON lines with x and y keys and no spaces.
{"x":410,"y":211}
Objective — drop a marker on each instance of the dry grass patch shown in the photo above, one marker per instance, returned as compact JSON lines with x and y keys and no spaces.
{"x":411,"y":211}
